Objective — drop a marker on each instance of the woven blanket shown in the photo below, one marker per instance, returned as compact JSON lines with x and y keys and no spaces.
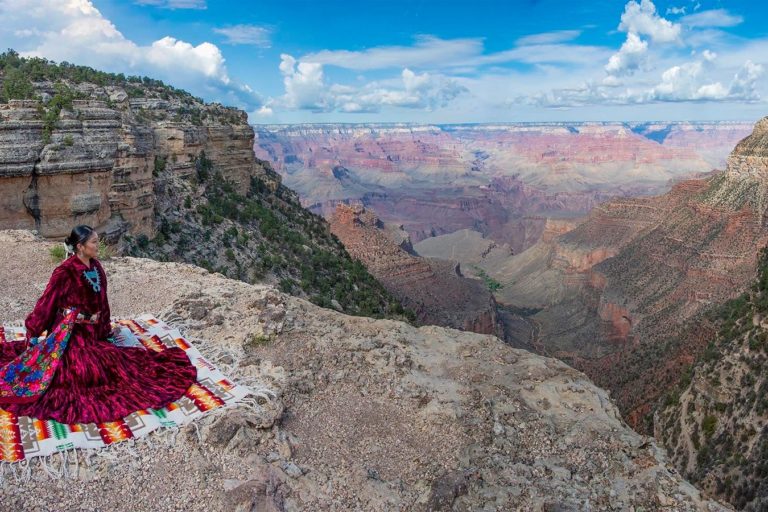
{"x":22,"y":437}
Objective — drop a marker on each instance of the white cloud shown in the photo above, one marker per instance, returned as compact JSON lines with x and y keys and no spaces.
{"x":436,"y":53}
{"x":204,"y":59}
{"x":712,"y":18}
{"x":687,"y":82}
{"x":247,"y":34}
{"x":559,"y":36}
{"x":305,"y":89}
{"x":632,"y":55}
{"x":264,"y":111}
{"x":427,"y":51}
{"x":744,"y":83}
{"x":570,"y":54}
{"x":77,"y":32}
{"x":174,"y":4}
{"x":675,"y":10}
{"x":642,"y":19}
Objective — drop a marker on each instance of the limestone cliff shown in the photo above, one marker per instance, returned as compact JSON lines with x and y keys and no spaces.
{"x":369,"y":415}
{"x":93,"y":161}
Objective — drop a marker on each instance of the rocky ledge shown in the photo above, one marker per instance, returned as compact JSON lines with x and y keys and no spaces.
{"x":370,"y":414}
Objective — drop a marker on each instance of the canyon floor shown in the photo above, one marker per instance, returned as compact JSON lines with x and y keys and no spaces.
{"x":369,"y":414}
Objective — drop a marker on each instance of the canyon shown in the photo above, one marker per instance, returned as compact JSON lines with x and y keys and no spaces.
{"x":622,"y":280}
{"x":435,"y":290}
{"x":504,"y":180}
{"x":612,"y":295}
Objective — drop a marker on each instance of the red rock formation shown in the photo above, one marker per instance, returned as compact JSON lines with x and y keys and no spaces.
{"x":497,"y":179}
{"x":435,"y":290}
{"x":649,"y":265}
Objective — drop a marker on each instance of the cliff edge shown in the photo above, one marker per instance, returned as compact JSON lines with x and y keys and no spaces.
{"x":370,"y":414}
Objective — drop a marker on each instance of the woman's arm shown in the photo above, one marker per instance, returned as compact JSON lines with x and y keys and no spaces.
{"x":42,"y":317}
{"x":105,"y":325}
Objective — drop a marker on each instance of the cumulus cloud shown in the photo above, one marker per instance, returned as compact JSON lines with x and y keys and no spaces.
{"x":744,"y":83}
{"x":204,"y":59}
{"x":76,"y":31}
{"x":247,"y":34}
{"x":638,"y":19}
{"x":174,"y":4}
{"x":305,"y":88}
{"x":712,"y":18}
{"x":687,"y":82}
{"x":304,"y":85}
{"x":631,"y":56}
{"x":642,"y":19}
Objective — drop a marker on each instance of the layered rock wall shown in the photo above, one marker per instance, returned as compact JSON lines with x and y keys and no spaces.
{"x":435,"y":290}
{"x":96,"y":164}
{"x":636,"y":269}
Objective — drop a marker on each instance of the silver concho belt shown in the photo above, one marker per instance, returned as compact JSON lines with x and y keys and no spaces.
{"x":82,"y":318}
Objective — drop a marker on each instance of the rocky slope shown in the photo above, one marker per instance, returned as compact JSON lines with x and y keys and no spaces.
{"x":715,"y":423}
{"x":163,"y":175}
{"x":498,"y":179}
{"x":611,"y":295}
{"x":435,"y":290}
{"x":369,"y":415}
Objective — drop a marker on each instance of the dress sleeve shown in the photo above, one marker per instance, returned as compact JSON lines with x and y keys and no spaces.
{"x":105,"y":325}
{"x":42,"y":317}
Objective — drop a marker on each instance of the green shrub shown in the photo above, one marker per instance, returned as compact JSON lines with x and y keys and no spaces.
{"x":16,"y":86}
{"x":708,"y":425}
{"x":58,"y":252}
{"x":160,"y":162}
{"x":106,"y":252}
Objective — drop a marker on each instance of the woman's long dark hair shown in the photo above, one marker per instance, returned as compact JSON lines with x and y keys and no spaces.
{"x":79,"y":235}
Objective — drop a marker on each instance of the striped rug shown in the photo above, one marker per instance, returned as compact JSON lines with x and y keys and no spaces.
{"x":22,"y":437}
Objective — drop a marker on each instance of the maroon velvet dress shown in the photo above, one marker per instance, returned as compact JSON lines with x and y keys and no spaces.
{"x":95,"y":381}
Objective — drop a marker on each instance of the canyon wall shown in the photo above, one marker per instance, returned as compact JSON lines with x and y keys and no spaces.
{"x":435,"y":290}
{"x":612,"y":295}
{"x":96,"y":162}
{"x":503,"y":180}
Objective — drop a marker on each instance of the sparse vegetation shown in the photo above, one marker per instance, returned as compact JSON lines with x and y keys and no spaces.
{"x":729,"y":450}
{"x":58,"y":252}
{"x":491,"y":283}
{"x":261,"y":232}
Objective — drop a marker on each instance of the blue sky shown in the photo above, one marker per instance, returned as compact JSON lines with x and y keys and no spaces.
{"x":422,"y":61}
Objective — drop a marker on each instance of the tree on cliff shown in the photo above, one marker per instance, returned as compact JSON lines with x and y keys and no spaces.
{"x":16,"y":86}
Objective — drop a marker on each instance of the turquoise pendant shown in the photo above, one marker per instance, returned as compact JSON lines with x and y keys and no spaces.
{"x":93,"y":278}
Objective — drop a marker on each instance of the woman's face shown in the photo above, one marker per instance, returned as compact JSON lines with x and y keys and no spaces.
{"x":90,"y":249}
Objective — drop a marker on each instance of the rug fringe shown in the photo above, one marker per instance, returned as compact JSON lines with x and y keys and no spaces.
{"x":65,"y":465}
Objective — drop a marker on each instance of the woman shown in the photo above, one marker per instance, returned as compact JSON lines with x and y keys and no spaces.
{"x":74,"y":375}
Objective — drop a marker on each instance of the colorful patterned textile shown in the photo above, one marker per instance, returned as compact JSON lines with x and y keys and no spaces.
{"x":28,"y":376}
{"x":22,"y":437}
{"x":95,"y":381}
